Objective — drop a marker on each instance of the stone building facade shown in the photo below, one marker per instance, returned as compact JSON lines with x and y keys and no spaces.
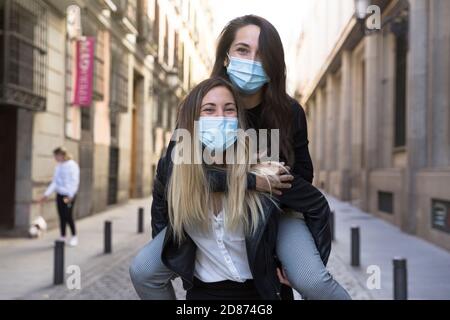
{"x":378,"y":110}
{"x":148,"y":54}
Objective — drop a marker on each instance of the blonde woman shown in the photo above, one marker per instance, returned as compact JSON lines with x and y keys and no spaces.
{"x":65,"y":183}
{"x":222,"y":244}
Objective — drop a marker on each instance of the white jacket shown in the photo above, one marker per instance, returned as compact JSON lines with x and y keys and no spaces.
{"x":66,"y":179}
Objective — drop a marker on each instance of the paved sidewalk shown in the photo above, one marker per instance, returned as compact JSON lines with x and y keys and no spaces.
{"x":428,"y":265}
{"x":26,"y":265}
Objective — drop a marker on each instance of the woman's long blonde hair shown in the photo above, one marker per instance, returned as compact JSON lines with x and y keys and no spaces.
{"x":189,"y":191}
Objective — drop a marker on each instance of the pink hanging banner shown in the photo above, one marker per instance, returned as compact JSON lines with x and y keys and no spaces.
{"x":84,"y":76}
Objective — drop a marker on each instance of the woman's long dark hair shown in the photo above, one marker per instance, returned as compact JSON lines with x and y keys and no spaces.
{"x":276,"y":110}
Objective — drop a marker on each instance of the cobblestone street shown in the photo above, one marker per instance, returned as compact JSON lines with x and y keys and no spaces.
{"x":112,"y":282}
{"x":27,"y":265}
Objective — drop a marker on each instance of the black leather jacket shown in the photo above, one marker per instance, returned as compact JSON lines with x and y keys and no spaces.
{"x":302,"y":197}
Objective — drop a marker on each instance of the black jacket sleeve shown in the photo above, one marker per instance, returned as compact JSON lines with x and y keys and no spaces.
{"x":159,"y":210}
{"x":305,"y":198}
{"x":303,"y":165}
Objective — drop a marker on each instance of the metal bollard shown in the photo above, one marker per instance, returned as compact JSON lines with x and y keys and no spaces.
{"x":400,"y":279}
{"x":332,"y":226}
{"x":355,"y":246}
{"x":108,"y":236}
{"x":141,"y":220}
{"x":58,"y":272}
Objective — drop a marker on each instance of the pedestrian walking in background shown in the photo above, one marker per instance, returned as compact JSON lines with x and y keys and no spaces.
{"x":65,"y":183}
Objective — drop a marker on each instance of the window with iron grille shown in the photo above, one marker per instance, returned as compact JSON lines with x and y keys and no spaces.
{"x":166,"y":42}
{"x":440,"y":215}
{"x":156,"y":23}
{"x":114,"y":128}
{"x":23,"y":58}
{"x":113,"y":177}
{"x":119,"y":78}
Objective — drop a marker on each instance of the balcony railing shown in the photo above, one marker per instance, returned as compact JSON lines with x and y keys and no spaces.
{"x":23,"y":58}
{"x":146,"y":36}
{"x":126,"y":14}
{"x":119,"y":79}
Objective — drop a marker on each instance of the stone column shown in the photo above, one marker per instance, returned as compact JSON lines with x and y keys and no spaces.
{"x":344,"y":141}
{"x":321,"y":120}
{"x":311,"y":107}
{"x":371,"y":112}
{"x":24,"y":177}
{"x":417,"y":100}
{"x":315,"y":134}
{"x":440,"y":82}
{"x":330,"y":125}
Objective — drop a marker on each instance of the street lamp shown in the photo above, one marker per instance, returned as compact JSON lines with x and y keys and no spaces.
{"x":172,"y":80}
{"x":361,"y":9}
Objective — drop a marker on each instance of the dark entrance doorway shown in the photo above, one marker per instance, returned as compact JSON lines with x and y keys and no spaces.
{"x":8,"y":148}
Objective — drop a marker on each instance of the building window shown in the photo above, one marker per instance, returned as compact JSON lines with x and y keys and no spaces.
{"x":86,"y":119}
{"x":181,"y":67}
{"x":440,"y":215}
{"x":72,"y":126}
{"x":119,"y":78}
{"x":131,"y":11}
{"x":189,"y":75}
{"x":161,"y":107}
{"x":113,"y":177}
{"x":23,"y":34}
{"x":90,"y":29}
{"x":176,"y":60}
{"x":126,"y":9}
{"x":386,"y":202}
{"x":400,"y":89}
{"x":156,"y":23}
{"x":99,"y":67}
{"x":114,"y":128}
{"x":166,"y":42}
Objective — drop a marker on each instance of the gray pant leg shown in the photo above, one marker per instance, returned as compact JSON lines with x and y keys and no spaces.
{"x":300,"y":258}
{"x":150,"y":277}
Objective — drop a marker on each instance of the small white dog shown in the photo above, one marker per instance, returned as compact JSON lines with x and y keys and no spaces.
{"x":37,"y":227}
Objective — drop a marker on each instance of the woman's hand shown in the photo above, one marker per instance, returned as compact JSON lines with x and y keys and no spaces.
{"x":283,"y":277}
{"x":42,"y":199}
{"x":276,"y":177}
{"x":67,"y":200}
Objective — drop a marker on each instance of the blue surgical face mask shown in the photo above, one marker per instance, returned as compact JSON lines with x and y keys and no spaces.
{"x":217,"y":133}
{"x":247,"y":75}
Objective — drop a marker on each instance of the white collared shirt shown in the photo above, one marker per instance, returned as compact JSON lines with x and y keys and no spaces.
{"x":66,"y":179}
{"x":221,"y":253}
